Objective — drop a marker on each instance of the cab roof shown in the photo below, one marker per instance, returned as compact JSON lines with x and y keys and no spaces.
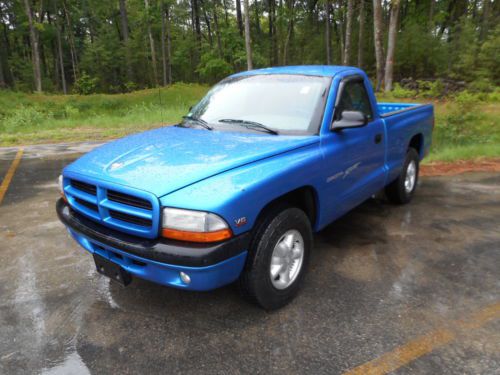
{"x":312,"y":70}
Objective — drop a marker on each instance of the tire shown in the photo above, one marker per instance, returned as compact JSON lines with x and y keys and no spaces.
{"x":256,"y":283}
{"x":401,"y":190}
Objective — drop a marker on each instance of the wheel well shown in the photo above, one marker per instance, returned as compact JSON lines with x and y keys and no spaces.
{"x":416,"y":142}
{"x":303,"y":198}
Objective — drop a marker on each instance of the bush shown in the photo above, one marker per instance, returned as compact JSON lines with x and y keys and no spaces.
{"x":109,"y":104}
{"x":85,"y":85}
{"x":70,"y":111}
{"x":213,"y":69}
{"x":401,"y":92}
{"x":487,"y":59}
{"x":494,"y":96}
{"x":481,"y":85}
{"x":465,"y":102}
{"x":130,"y":86}
{"x":460,"y":124}
{"x":25,"y":116}
{"x":431,"y":89}
{"x":436,"y":89}
{"x":81,"y":106}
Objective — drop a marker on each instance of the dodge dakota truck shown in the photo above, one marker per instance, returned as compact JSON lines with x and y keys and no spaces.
{"x":236,"y":190}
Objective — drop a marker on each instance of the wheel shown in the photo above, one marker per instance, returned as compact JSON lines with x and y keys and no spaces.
{"x":401,"y":190}
{"x":278,"y":258}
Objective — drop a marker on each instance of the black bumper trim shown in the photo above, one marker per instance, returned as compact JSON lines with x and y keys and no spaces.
{"x":161,"y":250}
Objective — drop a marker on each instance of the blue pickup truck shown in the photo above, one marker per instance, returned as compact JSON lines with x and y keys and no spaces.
{"x":235,"y":191}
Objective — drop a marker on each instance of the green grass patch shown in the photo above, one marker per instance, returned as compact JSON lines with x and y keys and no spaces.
{"x":31,"y":118}
{"x":467,"y":125}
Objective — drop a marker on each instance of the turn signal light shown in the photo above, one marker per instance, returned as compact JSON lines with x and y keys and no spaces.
{"x":61,"y":188}
{"x":181,"y":235}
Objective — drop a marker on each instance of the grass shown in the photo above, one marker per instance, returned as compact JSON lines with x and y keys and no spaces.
{"x":31,"y":118}
{"x":467,"y":126}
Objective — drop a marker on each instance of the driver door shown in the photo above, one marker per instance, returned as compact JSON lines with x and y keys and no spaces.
{"x":354,"y":157}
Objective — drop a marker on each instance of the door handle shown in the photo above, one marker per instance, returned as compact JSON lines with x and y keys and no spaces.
{"x":378,"y":138}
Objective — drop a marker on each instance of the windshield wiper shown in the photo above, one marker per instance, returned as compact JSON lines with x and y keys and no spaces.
{"x":250,"y":125}
{"x":199,"y":121}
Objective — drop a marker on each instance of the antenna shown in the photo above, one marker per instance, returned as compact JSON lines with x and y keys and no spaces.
{"x":161,"y":106}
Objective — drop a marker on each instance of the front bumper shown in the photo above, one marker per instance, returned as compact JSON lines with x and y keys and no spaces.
{"x":160,"y":260}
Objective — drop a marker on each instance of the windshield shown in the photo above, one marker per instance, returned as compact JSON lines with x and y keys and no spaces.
{"x":289,"y":104}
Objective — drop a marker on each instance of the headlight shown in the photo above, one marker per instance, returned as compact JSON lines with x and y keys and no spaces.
{"x":194,"y":226}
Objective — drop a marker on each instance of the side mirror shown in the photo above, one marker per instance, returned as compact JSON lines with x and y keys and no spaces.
{"x":350,"y":119}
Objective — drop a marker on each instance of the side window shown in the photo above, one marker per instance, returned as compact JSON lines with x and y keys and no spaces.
{"x":355,"y":98}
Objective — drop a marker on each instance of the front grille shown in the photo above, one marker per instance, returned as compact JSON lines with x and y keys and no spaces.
{"x":89,"y":205}
{"x":130,"y":218}
{"x":129,"y":200}
{"x":128,"y":210}
{"x":82,"y":186}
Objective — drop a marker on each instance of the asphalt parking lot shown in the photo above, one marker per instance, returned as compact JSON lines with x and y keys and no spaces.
{"x":411,"y":289}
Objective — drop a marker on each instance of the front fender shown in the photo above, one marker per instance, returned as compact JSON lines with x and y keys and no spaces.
{"x":244,"y":191}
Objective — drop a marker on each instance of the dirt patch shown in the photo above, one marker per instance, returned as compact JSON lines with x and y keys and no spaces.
{"x":458,"y":167}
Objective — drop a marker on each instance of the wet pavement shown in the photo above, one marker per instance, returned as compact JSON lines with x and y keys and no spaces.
{"x":415,"y":289}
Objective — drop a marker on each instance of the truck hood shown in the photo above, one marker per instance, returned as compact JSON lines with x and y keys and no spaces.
{"x":166,"y":159}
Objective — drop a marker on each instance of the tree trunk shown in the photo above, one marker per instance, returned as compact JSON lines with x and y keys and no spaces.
{"x":340,"y":35}
{"x":169,"y":46}
{"x":55,"y":54}
{"x":485,"y":19}
{"x":3,"y":66}
{"x":71,"y":41}
{"x":207,"y":22}
{"x":61,"y":61}
{"x":291,"y":8}
{"x":391,"y":45}
{"x":217,"y":30}
{"x":273,"y":57}
{"x":238,"y":16}
{"x":58,"y":56}
{"x":456,"y":9}
{"x":125,"y":36}
{"x":348,"y":31}
{"x":117,"y":22}
{"x":196,"y":16}
{"x":361,"y":32}
{"x":327,"y":33}
{"x":446,"y":20}
{"x":163,"y":46}
{"x":248,"y":44}
{"x":88,"y":14}
{"x":278,"y":31}
{"x":257,"y":18}
{"x":377,"y":33}
{"x":5,"y":36}
{"x":43,"y":60}
{"x":124,"y":20}
{"x":225,"y":12}
{"x":151,"y":43}
{"x":2,"y":76}
{"x":431,"y":14}
{"x":35,"y":52}
{"x":4,"y":46}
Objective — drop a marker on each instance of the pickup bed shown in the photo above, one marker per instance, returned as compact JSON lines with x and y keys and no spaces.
{"x":237,"y":189}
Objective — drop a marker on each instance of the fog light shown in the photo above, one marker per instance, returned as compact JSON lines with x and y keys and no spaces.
{"x":185,"y":277}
